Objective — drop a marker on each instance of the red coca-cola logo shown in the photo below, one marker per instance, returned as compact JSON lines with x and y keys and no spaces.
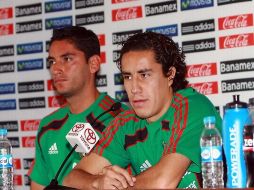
{"x":29,"y":125}
{"x":206,"y":88}
{"x":240,"y":40}
{"x":6,"y":29}
{"x":101,"y":38}
{"x":28,"y":141}
{"x":56,"y":101}
{"x":103,"y":57}
{"x":237,"y":21}
{"x":121,"y":1}
{"x":201,"y":70}
{"x":126,"y":13}
{"x":17,"y":180}
{"x":50,"y":85}
{"x":6,"y":13}
{"x":16,"y":163}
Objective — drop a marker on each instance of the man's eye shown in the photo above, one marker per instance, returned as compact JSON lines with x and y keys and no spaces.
{"x":51,"y":62}
{"x":126,"y":77}
{"x":144,"y":75}
{"x":67,"y":58}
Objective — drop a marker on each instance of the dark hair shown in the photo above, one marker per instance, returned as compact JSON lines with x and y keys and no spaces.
{"x":166,"y":53}
{"x":85,"y":40}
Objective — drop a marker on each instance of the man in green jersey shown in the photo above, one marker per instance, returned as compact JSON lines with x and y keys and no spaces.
{"x":160,"y":136}
{"x":74,"y":59}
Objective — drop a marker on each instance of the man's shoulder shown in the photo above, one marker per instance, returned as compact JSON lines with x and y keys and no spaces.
{"x":126,"y":118}
{"x":57,"y":114}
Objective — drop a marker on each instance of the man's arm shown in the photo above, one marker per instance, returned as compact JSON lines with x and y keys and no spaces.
{"x":96,"y":172}
{"x":36,"y":186}
{"x":166,"y":174}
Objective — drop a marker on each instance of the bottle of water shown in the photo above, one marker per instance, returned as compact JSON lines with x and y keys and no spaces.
{"x":6,"y":167}
{"x":211,"y":155}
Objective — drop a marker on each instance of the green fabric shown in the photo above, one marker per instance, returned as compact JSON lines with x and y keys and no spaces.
{"x":131,"y":140}
{"x":51,"y":136}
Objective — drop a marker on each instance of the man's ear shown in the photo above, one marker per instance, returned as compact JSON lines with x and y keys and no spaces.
{"x":171,"y":73}
{"x":94,"y":63}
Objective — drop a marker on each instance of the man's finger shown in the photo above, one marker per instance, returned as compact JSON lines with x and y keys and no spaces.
{"x":124,"y":173}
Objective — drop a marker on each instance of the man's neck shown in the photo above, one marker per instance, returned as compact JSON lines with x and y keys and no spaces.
{"x":81,"y":102}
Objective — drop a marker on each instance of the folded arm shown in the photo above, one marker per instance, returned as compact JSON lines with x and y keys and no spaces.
{"x":96,"y":172}
{"x":166,"y":174}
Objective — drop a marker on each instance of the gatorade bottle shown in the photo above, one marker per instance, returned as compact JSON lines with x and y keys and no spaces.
{"x":235,"y":118}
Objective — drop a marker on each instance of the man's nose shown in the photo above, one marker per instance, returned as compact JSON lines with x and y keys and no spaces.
{"x":135,"y":86}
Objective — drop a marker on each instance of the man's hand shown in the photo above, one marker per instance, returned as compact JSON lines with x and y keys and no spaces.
{"x":113,"y":177}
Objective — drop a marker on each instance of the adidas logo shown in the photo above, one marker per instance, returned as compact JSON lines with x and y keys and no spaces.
{"x":53,"y":149}
{"x":145,"y":166}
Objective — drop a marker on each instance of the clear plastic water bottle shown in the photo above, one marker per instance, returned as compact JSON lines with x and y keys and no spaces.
{"x":6,"y":167}
{"x":211,"y":155}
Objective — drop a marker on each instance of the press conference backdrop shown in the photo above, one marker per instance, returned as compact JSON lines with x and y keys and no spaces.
{"x":216,"y":35}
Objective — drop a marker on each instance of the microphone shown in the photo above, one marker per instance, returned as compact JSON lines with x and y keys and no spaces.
{"x":83,"y":138}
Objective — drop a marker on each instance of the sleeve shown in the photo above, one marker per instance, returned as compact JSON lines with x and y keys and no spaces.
{"x":111,"y":144}
{"x":188,"y":127}
{"x":38,"y":172}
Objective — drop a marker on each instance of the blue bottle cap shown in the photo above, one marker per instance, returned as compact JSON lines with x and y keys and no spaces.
{"x":209,"y":119}
{"x":3,"y":131}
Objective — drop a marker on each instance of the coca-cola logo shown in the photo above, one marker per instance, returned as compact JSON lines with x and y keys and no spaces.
{"x":50,"y":85}
{"x":6,"y":29}
{"x":101,"y":39}
{"x":201,"y":70}
{"x":17,"y":179}
{"x":16,"y":163}
{"x":6,"y":13}
{"x":30,"y":125}
{"x":240,"y":40}
{"x":28,"y":141}
{"x":121,"y":1}
{"x":56,"y":101}
{"x":238,"y":21}
{"x":206,"y":88}
{"x":126,"y":13}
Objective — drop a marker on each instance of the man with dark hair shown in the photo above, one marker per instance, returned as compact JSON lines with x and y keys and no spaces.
{"x":74,"y":59}
{"x":160,"y":136}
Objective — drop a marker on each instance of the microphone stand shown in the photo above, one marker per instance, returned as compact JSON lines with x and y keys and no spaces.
{"x":54,"y":183}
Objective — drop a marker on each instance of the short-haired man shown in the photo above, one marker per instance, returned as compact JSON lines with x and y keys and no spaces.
{"x":74,"y":59}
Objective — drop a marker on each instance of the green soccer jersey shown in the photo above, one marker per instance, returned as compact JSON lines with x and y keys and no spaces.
{"x":52,"y":146}
{"x":132,"y":140}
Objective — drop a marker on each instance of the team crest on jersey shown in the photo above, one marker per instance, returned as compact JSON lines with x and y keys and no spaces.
{"x":53,"y":149}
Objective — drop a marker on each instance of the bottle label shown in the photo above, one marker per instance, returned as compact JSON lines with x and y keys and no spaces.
{"x":211,"y":154}
{"x":6,"y":161}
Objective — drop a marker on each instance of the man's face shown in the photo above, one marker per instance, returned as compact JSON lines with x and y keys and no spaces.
{"x":149,"y":91}
{"x":68,"y":67}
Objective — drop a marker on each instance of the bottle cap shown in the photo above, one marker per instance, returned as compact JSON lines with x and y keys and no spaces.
{"x":209,"y":119}
{"x":251,"y":101}
{"x":3,"y":131}
{"x":236,"y":103}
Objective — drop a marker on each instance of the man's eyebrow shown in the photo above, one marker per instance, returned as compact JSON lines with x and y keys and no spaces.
{"x":144,"y":70}
{"x":49,"y":57}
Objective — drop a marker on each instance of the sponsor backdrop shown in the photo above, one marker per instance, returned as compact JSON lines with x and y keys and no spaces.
{"x":216,"y":35}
